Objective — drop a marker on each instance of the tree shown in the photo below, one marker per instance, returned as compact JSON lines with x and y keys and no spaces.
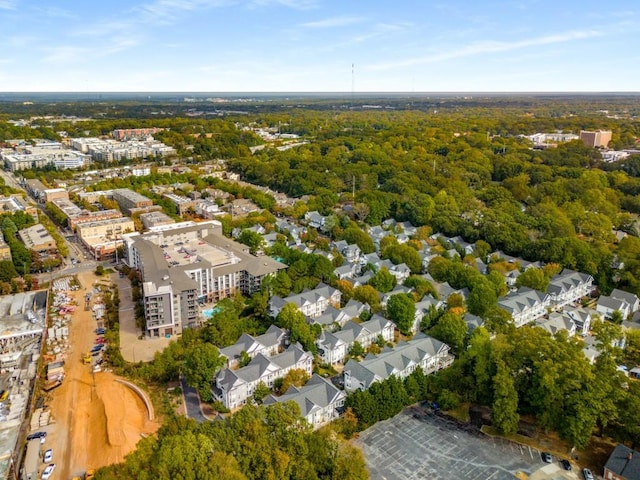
{"x":99,"y":270}
{"x":201,"y":362}
{"x":355,"y":235}
{"x":369,"y":295}
{"x":401,"y":309}
{"x":533,"y":278}
{"x":452,"y":330}
{"x":296,"y":377}
{"x":299,"y":330}
{"x":251,"y":239}
{"x":356,"y":350}
{"x":505,"y":405}
{"x":260,"y":392}
{"x":7,"y":271}
{"x":482,"y":298}
{"x":383,"y":281}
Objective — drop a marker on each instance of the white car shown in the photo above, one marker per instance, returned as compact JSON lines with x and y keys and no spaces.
{"x":48,"y":456}
{"x":48,"y":471}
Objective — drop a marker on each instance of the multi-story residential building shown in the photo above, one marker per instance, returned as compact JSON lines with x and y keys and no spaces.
{"x":186,"y":264}
{"x":569,"y":287}
{"x":334,"y":347}
{"x":90,"y":217}
{"x":269,"y":343}
{"x":208,"y":209}
{"x":37,"y":238}
{"x":320,"y":401}
{"x":623,"y":464}
{"x":525,"y":306}
{"x":128,"y":133}
{"x":422,"y":351}
{"x":312,"y":303}
{"x":234,"y":387}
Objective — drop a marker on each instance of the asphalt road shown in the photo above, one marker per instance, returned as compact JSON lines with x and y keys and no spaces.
{"x":192,"y":402}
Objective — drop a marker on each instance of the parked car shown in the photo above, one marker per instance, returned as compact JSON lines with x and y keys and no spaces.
{"x":46,"y":474}
{"x":565,"y":464}
{"x":48,"y":456}
{"x":100,"y":340}
{"x":586,"y":473}
{"x":33,"y":436}
{"x":546,"y":457}
{"x":100,"y":331}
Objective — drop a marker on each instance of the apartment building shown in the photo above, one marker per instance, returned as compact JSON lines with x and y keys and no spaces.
{"x":187,"y":264}
{"x":128,"y":133}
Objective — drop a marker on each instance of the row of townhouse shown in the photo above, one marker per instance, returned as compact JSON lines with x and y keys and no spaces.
{"x":333,"y":316}
{"x":269,"y":343}
{"x":527,"y":305}
{"x":422,"y":351}
{"x":333,"y":347}
{"x":320,"y":401}
{"x":234,"y":387}
{"x":624,"y":302}
{"x":312,"y":303}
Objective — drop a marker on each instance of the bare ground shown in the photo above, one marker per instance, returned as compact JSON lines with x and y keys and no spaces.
{"x":98,"y":421}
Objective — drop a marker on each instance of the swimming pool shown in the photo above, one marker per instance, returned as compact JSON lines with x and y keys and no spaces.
{"x":208,"y":313}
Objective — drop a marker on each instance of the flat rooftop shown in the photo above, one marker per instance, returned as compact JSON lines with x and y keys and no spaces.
{"x":195,"y":251}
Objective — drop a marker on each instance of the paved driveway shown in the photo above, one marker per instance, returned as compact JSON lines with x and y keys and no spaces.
{"x":432,"y":447}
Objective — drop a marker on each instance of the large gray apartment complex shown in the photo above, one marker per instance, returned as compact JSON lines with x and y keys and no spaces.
{"x":188,"y":264}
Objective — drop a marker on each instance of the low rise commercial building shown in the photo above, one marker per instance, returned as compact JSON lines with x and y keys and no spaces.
{"x":183,"y":204}
{"x":596,"y":139}
{"x":15,"y":203}
{"x":54,"y":193}
{"x":155,"y":219}
{"x":103,"y":237}
{"x":37,"y":238}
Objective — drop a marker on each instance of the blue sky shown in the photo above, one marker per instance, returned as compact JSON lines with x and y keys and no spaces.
{"x":311,"y":45}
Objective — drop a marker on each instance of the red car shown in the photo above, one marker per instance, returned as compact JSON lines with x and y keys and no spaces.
{"x":99,"y":340}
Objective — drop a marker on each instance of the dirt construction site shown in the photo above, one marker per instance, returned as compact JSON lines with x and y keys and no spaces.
{"x":97,"y":420}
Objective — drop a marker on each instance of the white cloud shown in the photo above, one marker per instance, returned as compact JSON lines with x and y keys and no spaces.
{"x":333,"y":22}
{"x":481,"y":48}
{"x":295,"y":4}
{"x":8,"y":4}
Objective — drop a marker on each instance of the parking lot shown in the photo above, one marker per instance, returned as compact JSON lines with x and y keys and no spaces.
{"x":434,"y":447}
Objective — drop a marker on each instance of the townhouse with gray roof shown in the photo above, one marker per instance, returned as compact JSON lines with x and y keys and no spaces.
{"x":311,"y":303}
{"x":569,"y":287}
{"x":630,"y":298}
{"x":607,"y":305}
{"x":525,"y":306}
{"x":234,"y":387}
{"x":334,"y":347}
{"x":556,"y":322}
{"x":320,"y":401}
{"x":269,"y":343}
{"x":333,"y":316}
{"x":422,"y":351}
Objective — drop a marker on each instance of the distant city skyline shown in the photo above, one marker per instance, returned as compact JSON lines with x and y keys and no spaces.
{"x":319,"y":46}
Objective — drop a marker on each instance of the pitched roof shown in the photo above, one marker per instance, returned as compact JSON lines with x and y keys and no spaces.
{"x":624,"y":462}
{"x":316,"y":394}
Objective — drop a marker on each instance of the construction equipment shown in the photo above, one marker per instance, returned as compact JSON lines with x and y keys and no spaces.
{"x":86,"y":359}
